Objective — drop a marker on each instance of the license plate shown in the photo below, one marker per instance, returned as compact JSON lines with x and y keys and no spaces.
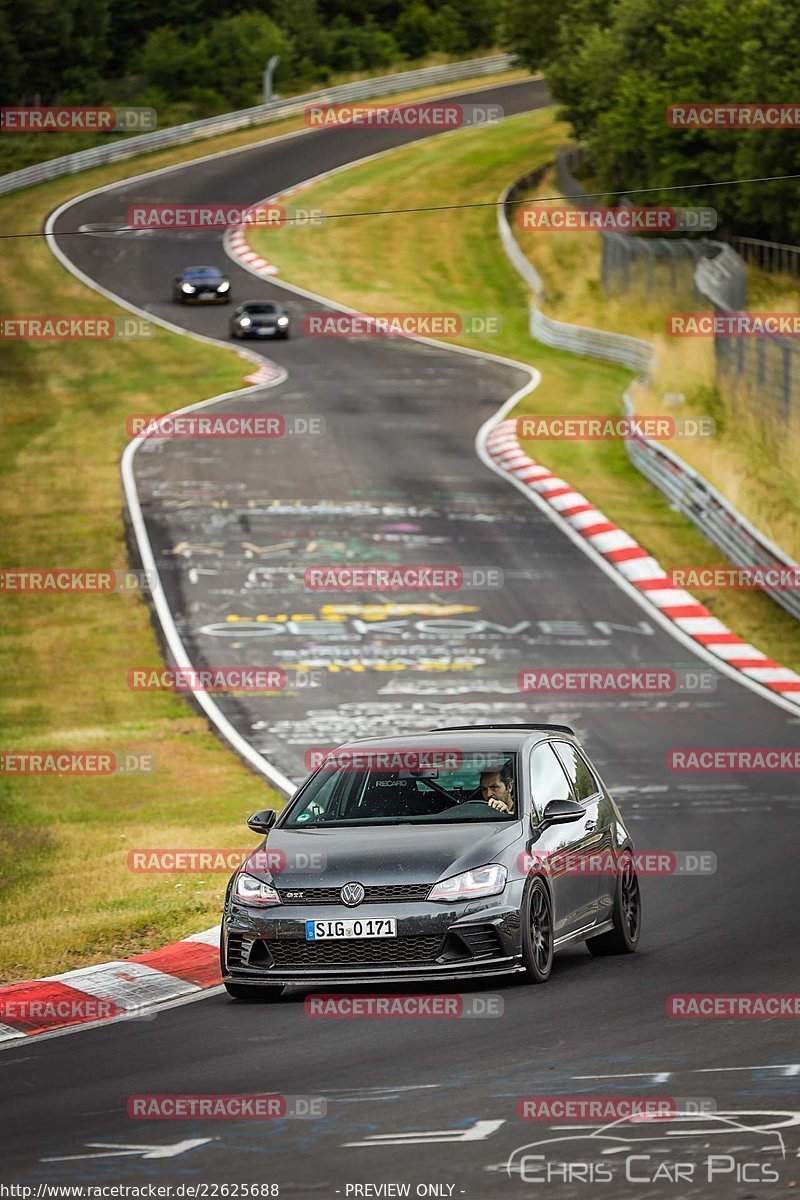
{"x":365,"y":927}
{"x":208,"y":296}
{"x":265,"y":331}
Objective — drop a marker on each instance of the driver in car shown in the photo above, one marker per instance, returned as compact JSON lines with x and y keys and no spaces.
{"x":497,"y":788}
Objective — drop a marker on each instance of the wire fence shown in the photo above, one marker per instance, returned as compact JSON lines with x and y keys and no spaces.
{"x":775,"y":258}
{"x":761,"y":371}
{"x":646,"y":264}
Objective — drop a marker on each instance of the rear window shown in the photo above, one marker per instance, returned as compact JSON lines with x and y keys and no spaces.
{"x":365,"y":792}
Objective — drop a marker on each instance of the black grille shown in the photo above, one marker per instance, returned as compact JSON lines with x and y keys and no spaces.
{"x":238,"y":950}
{"x":482,"y":940}
{"x":368,"y":953}
{"x":377,"y":894}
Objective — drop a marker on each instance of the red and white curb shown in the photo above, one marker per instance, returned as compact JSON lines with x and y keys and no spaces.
{"x":265,"y":372}
{"x":94,"y":995}
{"x":236,"y":244}
{"x":638,"y":567}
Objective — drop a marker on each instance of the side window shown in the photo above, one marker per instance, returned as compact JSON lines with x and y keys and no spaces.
{"x":318,"y":802}
{"x":548,"y":781}
{"x":580,"y":776}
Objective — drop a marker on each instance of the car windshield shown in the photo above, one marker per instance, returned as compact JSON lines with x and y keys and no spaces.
{"x":202,"y":273}
{"x":366,"y":787}
{"x":259,"y":308}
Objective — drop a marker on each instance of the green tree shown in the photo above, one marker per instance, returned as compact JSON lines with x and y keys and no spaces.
{"x":415,"y":30}
{"x":449,"y":35}
{"x":172,"y":64}
{"x":237,"y":49}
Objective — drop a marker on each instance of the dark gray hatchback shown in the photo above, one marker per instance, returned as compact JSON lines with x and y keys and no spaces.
{"x":453,"y":854}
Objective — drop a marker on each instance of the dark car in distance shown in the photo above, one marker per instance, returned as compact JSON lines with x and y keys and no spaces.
{"x":452,"y":854}
{"x":201,"y":285}
{"x":259,"y":319}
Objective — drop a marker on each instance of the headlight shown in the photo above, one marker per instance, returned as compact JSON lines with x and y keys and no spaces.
{"x":283,"y":321}
{"x":483,"y":881}
{"x":188,"y":287}
{"x":244,"y":322}
{"x":223,"y":287}
{"x":250,"y":890}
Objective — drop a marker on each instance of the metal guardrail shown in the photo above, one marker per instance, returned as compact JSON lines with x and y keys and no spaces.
{"x":723,"y":525}
{"x":522,"y":263}
{"x":261,"y":114}
{"x":721,"y":279}
{"x":594,"y":343}
{"x":687,"y":491}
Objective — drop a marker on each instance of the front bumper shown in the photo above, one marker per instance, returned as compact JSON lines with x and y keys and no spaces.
{"x":434,"y":942}
{"x":262,"y":334}
{"x":223,"y":299}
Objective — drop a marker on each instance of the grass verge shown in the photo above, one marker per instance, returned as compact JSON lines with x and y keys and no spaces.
{"x":446,"y":261}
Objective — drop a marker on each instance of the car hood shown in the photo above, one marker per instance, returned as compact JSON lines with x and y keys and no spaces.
{"x":390,"y":855}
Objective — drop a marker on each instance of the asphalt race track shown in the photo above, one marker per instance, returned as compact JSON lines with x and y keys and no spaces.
{"x":395,"y":479}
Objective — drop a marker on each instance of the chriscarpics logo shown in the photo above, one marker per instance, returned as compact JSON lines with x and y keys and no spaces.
{"x":685,"y":1149}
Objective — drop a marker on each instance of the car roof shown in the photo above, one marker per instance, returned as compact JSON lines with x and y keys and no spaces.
{"x":202,"y":271}
{"x":467,"y":737}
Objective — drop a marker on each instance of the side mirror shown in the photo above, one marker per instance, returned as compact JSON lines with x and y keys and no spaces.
{"x":262,"y":822}
{"x":557,"y":812}
{"x":561,"y":812}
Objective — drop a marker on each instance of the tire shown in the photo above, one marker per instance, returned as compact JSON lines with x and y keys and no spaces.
{"x":624,"y":937}
{"x":242,"y":991}
{"x":537,"y":932}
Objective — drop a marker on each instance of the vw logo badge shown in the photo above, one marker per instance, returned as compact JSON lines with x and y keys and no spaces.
{"x":352,"y":894}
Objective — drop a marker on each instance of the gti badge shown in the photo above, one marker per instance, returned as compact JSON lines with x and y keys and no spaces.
{"x":352,"y":894}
